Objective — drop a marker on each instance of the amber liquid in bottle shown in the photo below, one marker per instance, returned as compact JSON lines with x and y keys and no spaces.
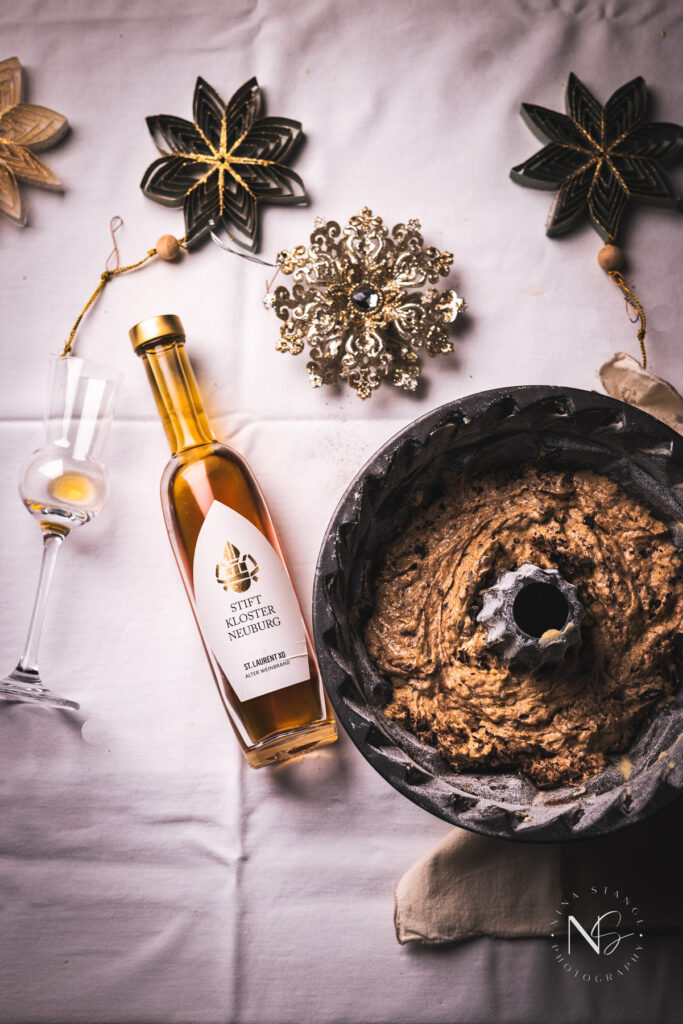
{"x":288,"y":720}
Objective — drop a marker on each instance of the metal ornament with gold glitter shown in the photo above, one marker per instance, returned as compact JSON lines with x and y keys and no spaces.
{"x":597,"y":159}
{"x":225,"y":162}
{"x":356,"y":305}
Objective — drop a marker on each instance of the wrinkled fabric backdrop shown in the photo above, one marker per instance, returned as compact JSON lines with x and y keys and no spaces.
{"x":147,"y":875}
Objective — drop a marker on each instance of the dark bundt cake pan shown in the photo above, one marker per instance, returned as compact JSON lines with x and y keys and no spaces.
{"x":548,"y":427}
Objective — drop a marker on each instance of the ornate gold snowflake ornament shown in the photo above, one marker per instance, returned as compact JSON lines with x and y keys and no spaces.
{"x":24,"y":127}
{"x":356,"y":305}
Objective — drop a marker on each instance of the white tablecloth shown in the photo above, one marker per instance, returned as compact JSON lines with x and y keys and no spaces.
{"x":146,"y":874}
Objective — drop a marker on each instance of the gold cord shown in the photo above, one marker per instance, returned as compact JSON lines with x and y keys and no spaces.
{"x":633,"y":301}
{"x":104,"y":278}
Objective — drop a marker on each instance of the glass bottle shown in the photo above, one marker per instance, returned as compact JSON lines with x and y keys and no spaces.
{"x":233,"y":568}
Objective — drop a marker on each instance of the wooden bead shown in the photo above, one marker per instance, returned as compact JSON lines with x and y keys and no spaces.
{"x":167,"y":247}
{"x":611,"y":257}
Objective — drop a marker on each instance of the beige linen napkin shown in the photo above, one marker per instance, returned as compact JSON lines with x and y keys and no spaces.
{"x":472,"y":885}
{"x":623,"y":378}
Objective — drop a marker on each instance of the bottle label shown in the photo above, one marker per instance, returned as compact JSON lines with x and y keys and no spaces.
{"x":247,"y":609}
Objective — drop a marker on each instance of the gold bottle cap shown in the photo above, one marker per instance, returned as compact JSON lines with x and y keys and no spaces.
{"x":149,"y":331}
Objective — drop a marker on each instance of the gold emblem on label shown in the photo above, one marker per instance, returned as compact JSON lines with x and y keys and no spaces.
{"x":236,"y":571}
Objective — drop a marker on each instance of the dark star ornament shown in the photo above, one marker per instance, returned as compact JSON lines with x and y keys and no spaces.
{"x":598,"y":158}
{"x":225,"y":162}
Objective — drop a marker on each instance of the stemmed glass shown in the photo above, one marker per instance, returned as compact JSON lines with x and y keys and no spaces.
{"x":63,"y":485}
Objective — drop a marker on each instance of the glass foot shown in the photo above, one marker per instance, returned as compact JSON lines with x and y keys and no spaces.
{"x":27,"y":688}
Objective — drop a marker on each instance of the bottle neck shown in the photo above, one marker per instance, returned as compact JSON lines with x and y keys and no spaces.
{"x":176,"y":394}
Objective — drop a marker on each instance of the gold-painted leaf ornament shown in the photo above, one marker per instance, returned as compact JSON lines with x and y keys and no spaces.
{"x":24,"y":128}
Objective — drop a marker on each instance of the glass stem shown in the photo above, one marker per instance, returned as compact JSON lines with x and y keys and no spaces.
{"x":29,"y":659}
